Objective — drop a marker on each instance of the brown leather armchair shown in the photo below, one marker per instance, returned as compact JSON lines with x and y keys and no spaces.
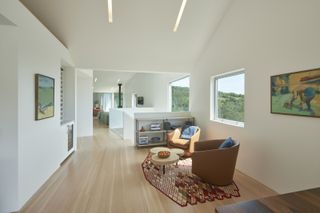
{"x":174,"y":140}
{"x":215,"y":166}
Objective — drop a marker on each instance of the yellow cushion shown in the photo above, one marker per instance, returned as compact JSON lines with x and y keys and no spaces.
{"x":180,"y":141}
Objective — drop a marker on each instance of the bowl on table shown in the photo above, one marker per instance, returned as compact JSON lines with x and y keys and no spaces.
{"x":163,"y":154}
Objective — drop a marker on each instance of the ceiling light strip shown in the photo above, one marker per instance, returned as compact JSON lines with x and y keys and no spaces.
{"x":110,"y":11}
{"x":183,"y":5}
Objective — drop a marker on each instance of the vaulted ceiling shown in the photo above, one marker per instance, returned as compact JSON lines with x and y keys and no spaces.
{"x":108,"y":81}
{"x":140,"y":37}
{"x":5,"y":21}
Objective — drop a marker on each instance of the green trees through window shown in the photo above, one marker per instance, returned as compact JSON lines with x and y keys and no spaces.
{"x":231,"y":106}
{"x":228,"y":96}
{"x":180,"y":99}
{"x":180,"y":95}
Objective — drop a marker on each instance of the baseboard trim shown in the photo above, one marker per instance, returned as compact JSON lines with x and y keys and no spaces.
{"x":67,"y":158}
{"x":45,"y":183}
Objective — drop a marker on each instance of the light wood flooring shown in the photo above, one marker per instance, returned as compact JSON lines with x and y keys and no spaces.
{"x":105,"y":175}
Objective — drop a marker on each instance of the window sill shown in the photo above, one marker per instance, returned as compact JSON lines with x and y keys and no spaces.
{"x":229,"y":122}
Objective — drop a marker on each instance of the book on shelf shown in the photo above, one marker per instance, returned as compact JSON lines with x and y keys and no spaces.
{"x":155,"y":126}
{"x":143,"y":140}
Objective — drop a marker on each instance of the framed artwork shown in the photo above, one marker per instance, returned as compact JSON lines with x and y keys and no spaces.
{"x":296,"y":93}
{"x":44,"y":97}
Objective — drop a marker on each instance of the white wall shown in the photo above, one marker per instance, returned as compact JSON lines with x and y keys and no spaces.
{"x":266,"y":38}
{"x":9,"y":119}
{"x":84,"y":103}
{"x":154,"y":87}
{"x":42,"y":145}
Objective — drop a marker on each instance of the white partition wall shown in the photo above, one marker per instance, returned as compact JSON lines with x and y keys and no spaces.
{"x":9,"y":119}
{"x":126,"y":119}
{"x":116,"y":118}
{"x":128,"y":126}
{"x":84,"y":103}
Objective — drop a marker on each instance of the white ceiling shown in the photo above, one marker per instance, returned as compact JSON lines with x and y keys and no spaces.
{"x":108,"y":81}
{"x":139,"y":39}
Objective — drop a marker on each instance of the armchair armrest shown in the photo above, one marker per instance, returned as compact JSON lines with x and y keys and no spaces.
{"x":174,"y":135}
{"x":194,"y":139}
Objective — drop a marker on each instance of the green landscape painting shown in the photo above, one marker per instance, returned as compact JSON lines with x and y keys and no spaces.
{"x":296,"y":93}
{"x":44,"y":97}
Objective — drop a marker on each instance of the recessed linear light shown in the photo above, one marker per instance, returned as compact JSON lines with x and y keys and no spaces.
{"x":110,"y":11}
{"x":183,"y":5}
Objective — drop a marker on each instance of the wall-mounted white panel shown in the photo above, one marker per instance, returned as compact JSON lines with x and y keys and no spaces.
{"x":84,"y":104}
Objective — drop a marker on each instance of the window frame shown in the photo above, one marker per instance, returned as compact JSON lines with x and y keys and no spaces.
{"x":170,"y":93}
{"x":214,"y":94}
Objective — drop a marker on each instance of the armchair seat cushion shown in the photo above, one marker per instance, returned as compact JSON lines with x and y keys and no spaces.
{"x":174,"y":139}
{"x":181,"y":143}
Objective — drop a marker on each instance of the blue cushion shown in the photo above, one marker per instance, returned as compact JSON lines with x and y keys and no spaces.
{"x":227,"y":143}
{"x":188,"y":132}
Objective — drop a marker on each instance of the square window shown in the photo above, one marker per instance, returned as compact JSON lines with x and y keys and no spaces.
{"x":227,"y":98}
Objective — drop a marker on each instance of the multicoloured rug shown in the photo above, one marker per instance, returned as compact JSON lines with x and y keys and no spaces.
{"x":183,"y":187}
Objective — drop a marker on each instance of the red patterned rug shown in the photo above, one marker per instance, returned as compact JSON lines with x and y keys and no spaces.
{"x":183,"y":187}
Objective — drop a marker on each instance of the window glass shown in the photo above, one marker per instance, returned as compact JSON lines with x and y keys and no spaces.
{"x":102,"y":101}
{"x":229,"y":94}
{"x":180,"y":90}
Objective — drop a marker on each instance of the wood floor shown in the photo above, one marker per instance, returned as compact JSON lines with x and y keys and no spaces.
{"x":105,"y":175}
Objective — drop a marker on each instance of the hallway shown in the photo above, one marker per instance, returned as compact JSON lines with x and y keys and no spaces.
{"x":105,"y":175}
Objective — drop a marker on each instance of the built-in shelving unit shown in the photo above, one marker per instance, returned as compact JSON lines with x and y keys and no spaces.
{"x":61,"y":95}
{"x":146,"y":137}
{"x":67,"y":108}
{"x":67,"y":95}
{"x":156,"y":131}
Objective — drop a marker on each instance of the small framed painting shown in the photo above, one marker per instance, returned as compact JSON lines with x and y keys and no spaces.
{"x":44,"y":97}
{"x":296,"y":93}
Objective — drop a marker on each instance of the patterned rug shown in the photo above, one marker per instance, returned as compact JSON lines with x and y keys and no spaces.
{"x":183,"y":187}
